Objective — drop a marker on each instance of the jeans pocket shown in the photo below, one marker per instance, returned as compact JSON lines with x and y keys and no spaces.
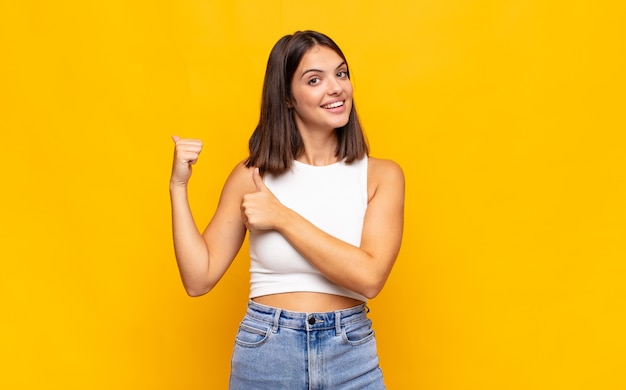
{"x":358,"y":333}
{"x":252,"y":334}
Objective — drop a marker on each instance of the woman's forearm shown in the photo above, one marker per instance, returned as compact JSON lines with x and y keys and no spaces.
{"x":342,"y":263}
{"x":192,"y":254}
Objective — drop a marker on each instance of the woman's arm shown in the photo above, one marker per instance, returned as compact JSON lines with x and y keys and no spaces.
{"x":363,"y":269}
{"x":204,"y":258}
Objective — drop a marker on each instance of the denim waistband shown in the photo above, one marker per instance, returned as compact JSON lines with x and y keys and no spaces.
{"x":277,"y":317}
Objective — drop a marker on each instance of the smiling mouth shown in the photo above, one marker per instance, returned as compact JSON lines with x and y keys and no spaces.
{"x":333,"y":105}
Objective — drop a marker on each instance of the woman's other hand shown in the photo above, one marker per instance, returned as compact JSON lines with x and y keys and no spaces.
{"x":186,"y":152}
{"x":260,"y":209}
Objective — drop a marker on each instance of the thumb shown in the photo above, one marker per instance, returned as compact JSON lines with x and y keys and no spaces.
{"x":175,"y":138}
{"x":258,"y":180}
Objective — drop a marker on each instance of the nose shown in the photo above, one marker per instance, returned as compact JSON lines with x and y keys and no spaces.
{"x":334,"y":87}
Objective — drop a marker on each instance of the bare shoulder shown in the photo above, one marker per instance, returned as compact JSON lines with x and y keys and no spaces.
{"x":240,"y":180}
{"x":384,"y":176}
{"x":384,"y":171}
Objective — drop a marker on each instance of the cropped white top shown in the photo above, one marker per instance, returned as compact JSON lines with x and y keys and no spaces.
{"x":331,"y":197}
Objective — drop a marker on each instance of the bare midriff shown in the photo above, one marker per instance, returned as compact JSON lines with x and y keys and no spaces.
{"x":307,"y":302}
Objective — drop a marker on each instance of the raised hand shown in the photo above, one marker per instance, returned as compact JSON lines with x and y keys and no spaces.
{"x":186,"y":154}
{"x":261,"y":210}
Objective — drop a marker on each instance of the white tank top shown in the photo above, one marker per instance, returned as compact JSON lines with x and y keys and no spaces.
{"x":331,"y":197}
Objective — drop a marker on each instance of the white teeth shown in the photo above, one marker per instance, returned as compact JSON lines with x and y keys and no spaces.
{"x":333,"y":105}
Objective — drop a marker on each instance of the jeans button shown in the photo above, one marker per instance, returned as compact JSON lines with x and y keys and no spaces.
{"x":311,"y":320}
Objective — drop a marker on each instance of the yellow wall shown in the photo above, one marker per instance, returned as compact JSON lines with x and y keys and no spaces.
{"x":507,"y":116}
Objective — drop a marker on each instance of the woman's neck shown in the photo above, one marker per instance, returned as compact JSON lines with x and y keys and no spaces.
{"x":317,"y":161}
{"x":319,"y":149}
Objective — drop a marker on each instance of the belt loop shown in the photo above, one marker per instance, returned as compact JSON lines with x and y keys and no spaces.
{"x":337,"y":323}
{"x":276,"y":318}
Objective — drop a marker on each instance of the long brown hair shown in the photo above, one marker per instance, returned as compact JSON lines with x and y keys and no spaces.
{"x":276,"y":141}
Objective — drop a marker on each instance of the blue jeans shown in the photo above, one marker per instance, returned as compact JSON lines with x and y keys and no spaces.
{"x":279,"y":349}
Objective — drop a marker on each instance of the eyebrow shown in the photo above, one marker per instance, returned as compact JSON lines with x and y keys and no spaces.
{"x":319,"y":70}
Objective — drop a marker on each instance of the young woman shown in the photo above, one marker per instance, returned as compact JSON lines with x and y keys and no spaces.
{"x":325,"y":223}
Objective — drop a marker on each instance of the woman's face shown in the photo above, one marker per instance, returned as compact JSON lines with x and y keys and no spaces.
{"x":322,"y":91}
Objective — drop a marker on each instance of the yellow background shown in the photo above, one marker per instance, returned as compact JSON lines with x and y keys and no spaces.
{"x":507,"y":117}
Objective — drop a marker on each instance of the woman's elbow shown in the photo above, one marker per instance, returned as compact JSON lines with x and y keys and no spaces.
{"x":195,"y":290}
{"x":194,"y":293}
{"x":372,"y":288}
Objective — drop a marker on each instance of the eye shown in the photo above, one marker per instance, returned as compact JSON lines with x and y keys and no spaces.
{"x":342,"y":74}
{"x":314,"y":81}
